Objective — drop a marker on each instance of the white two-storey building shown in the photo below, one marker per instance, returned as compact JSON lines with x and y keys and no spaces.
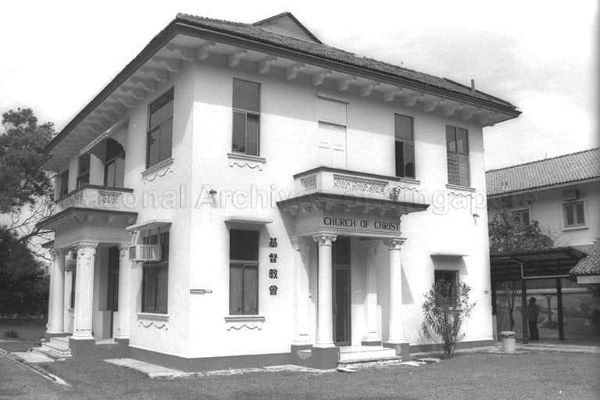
{"x":242,"y":194}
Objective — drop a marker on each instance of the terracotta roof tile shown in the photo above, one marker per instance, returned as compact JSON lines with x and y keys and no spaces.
{"x":563,"y":169}
{"x":589,"y":265}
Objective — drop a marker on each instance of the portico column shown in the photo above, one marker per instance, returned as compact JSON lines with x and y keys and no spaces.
{"x":125,"y":303}
{"x":396,"y":334}
{"x":325,"y":292}
{"x":84,"y":290}
{"x":56,"y":299}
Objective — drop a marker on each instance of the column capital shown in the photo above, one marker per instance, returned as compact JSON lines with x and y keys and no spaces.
{"x":324,"y":239}
{"x":86,"y":244}
{"x":395,"y":243}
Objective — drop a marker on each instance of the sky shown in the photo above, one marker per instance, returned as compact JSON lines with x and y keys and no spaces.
{"x":539,"y":55}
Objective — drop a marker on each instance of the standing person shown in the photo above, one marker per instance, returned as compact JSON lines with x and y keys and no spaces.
{"x":532,"y":315}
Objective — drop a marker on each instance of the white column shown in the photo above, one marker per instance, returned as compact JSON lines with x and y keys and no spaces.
{"x":371,"y":298}
{"x":301,"y":292}
{"x":56,"y":298}
{"x":395,"y":316}
{"x":67,"y":300}
{"x":125,"y":301}
{"x":84,"y":290}
{"x":325,"y":292}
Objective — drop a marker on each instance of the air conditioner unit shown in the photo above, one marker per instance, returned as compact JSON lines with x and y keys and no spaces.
{"x":570,"y":194}
{"x":145,"y":252}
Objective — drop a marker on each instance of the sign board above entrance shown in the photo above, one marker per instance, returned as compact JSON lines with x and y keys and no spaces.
{"x":347,"y":224}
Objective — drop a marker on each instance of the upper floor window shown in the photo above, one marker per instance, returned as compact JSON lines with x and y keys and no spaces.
{"x":574,"y":214}
{"x":457,"y":150}
{"x":405,"y":146}
{"x":246,"y":117}
{"x":521,"y":216}
{"x":243,"y":272}
{"x":155,"y":280}
{"x":160,"y":129}
{"x":114,"y":167}
{"x":83,"y":174}
{"x":63,"y":184}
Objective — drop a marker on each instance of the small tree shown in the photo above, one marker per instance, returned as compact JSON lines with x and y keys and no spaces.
{"x":445,"y":309}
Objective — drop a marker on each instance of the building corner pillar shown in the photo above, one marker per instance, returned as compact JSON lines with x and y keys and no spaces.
{"x":325,"y":291}
{"x":124,"y":301}
{"x":396,"y":338}
{"x":56,"y":294}
{"x":84,"y":291}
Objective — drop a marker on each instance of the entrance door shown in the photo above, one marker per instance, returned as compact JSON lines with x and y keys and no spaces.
{"x":112,"y":287}
{"x":341,"y":291}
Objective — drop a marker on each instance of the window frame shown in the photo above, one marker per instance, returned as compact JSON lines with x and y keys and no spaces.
{"x":457,"y":154}
{"x":162,"y":264}
{"x":150,"y":130}
{"x":404,"y":142}
{"x":516,"y":211}
{"x":573,"y":204}
{"x":245,"y":113}
{"x":245,"y":264}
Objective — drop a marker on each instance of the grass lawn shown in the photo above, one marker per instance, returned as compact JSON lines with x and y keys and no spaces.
{"x":466,"y":376}
{"x":26,"y":329}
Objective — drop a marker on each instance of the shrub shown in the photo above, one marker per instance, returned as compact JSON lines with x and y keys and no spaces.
{"x":445,"y":309}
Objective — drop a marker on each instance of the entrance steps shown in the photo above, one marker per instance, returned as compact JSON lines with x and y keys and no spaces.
{"x":56,"y":347}
{"x":355,"y":355}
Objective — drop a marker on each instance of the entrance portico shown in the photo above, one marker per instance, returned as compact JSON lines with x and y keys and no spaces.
{"x":80,"y":301}
{"x":370,"y":225}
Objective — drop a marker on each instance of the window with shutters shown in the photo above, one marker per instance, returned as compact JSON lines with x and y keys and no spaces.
{"x":457,"y":150}
{"x":405,"y":146}
{"x":155,"y":279}
{"x":83,"y":174}
{"x":243,"y":272}
{"x":159,"y":139}
{"x":574,"y":215}
{"x":246,"y":117}
{"x":331,"y":115}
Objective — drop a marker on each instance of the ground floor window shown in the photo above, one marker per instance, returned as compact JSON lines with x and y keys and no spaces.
{"x":445,"y":282}
{"x":243,"y":272}
{"x":155,"y":281}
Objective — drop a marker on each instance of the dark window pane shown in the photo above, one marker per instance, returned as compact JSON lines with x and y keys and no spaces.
{"x":462,"y":141}
{"x":252,"y":134}
{"x":570,"y":214}
{"x":450,"y":139}
{"x":113,"y":150}
{"x":166,"y":137}
{"x":579,"y":213}
{"x":243,"y":245}
{"x":399,"y":158}
{"x":155,"y":289}
{"x":161,"y":109}
{"x":239,"y":132}
{"x":250,"y":289}
{"x":409,"y":160}
{"x":341,"y":251}
{"x":246,"y":95}
{"x":162,"y":289}
{"x":463,"y":170}
{"x":64,"y":184}
{"x":153,"y":147}
{"x":453,"y":169}
{"x":403,"y":127}
{"x":84,"y":164}
{"x":235,"y":289}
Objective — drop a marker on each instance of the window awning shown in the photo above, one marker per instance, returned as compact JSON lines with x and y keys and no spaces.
{"x":147,"y":225}
{"x":537,"y":264}
{"x":239,"y":220}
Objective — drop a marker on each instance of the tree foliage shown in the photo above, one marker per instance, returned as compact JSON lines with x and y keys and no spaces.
{"x":23,"y":286}
{"x":445,"y":308}
{"x":22,"y":181}
{"x":509,"y":235}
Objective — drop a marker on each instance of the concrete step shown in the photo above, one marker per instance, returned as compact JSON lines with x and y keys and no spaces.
{"x":369,"y":362}
{"x":52,"y":352}
{"x":365,"y":353}
{"x":58,"y":343}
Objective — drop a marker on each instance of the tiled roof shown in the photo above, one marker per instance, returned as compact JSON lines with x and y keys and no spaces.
{"x":563,"y":169}
{"x":250,"y":31}
{"x":589,"y":265}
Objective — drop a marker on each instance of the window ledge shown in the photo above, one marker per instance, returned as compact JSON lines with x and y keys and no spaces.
{"x":157,"y":167}
{"x":153,"y":316}
{"x":244,"y":318}
{"x":246,"y":157}
{"x":459,"y":187}
{"x":409,"y":180}
{"x":575,"y":228}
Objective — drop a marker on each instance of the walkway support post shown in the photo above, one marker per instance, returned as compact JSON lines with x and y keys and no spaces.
{"x":524,"y":327}
{"x":561,"y":328}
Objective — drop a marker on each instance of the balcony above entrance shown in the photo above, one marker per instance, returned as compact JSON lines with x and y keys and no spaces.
{"x":330,"y":200}
{"x":98,"y":198}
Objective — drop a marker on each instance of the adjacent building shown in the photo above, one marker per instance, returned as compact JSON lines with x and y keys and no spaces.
{"x":563,"y":195}
{"x":243,"y":194}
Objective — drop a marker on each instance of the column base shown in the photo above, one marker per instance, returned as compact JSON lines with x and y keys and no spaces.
{"x":402,"y":349}
{"x":325,"y":357}
{"x":370,"y":343}
{"x":82,"y":347}
{"x":55,"y":334}
{"x":124,"y":341}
